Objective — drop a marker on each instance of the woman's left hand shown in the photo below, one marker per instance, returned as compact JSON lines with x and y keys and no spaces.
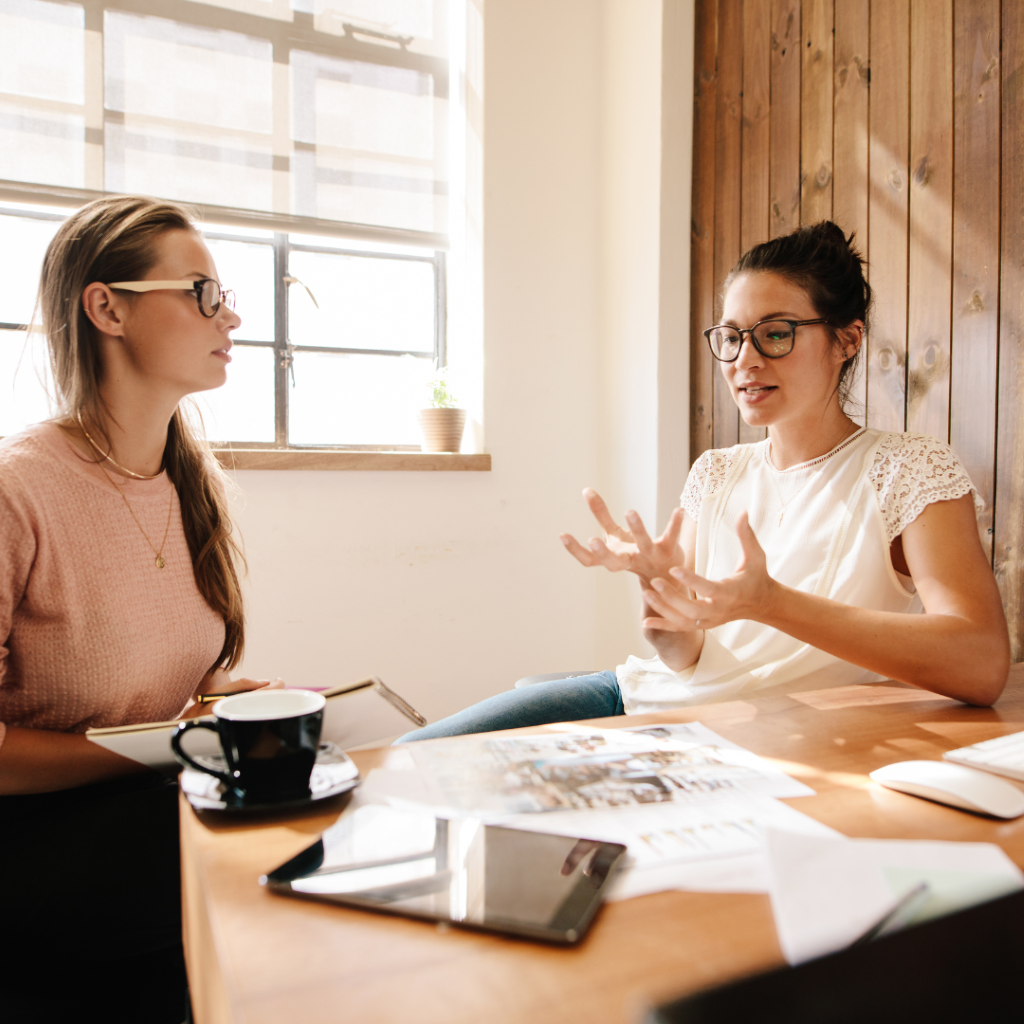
{"x":689,"y":601}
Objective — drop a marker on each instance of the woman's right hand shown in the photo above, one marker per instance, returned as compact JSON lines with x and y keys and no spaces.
{"x":218,"y":680}
{"x":632,"y":549}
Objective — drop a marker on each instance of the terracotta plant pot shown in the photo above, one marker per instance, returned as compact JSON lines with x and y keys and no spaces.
{"x":442,"y":429}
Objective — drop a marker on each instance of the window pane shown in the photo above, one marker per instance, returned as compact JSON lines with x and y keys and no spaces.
{"x":242,"y":410}
{"x":248,"y":268}
{"x":23,"y":243}
{"x":43,"y":50}
{"x":369,"y":143}
{"x":352,"y":399}
{"x":364,"y":302}
{"x":24,"y":379}
{"x":197,"y":111}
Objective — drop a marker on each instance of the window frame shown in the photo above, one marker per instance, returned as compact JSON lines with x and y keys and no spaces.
{"x":282,"y":346}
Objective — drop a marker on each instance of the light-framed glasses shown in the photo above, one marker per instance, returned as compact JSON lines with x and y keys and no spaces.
{"x":208,"y":292}
{"x":772,"y":338}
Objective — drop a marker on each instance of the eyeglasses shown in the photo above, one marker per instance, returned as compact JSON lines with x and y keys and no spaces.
{"x":772,"y":338}
{"x":208,"y":292}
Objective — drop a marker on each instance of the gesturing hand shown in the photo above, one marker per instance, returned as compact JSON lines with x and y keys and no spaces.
{"x":632,"y":549}
{"x":744,"y":595}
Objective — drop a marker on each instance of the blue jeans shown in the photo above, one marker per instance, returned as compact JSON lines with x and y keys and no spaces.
{"x":560,"y":700}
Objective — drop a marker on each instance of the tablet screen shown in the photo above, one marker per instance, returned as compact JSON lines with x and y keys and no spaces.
{"x":462,"y":871}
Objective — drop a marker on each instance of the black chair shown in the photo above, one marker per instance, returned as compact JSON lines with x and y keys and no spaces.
{"x":967,"y":967}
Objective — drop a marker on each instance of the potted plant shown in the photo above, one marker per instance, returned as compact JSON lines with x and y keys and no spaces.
{"x":443,"y":423}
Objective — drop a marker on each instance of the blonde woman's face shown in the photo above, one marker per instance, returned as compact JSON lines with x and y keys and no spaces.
{"x":166,"y":339}
{"x":799,"y":385}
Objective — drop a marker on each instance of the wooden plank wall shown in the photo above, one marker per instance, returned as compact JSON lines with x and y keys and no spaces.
{"x":902,"y":120}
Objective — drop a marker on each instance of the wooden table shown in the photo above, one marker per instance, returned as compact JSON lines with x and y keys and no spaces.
{"x":257,"y":958}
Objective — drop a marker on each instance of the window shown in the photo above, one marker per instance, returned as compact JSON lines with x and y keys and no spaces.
{"x":313,"y":138}
{"x":336,"y":346}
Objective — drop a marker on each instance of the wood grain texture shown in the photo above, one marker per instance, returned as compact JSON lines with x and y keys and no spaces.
{"x":931,"y":216}
{"x":888,"y":211}
{"x":728,"y":135}
{"x":756,"y":141}
{"x":784,"y":165}
{"x":816,"y":54}
{"x":850,"y":147}
{"x":432,"y":462}
{"x":976,"y":112}
{"x":273,"y":959}
{"x":1009,"y":505}
{"x":927,"y":148}
{"x":702,"y":238}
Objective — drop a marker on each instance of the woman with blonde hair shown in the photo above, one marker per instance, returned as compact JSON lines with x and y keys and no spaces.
{"x":119,"y":604}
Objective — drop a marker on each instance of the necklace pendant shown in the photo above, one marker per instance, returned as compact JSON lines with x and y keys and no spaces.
{"x":160,"y":563}
{"x":781,"y":514}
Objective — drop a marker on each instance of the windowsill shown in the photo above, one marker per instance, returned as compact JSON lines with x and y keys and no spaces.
{"x":274,"y":458}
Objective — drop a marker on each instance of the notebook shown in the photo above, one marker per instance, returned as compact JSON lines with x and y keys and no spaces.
{"x":357,"y":714}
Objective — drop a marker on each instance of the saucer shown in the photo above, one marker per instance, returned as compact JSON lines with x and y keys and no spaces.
{"x":333,"y":773}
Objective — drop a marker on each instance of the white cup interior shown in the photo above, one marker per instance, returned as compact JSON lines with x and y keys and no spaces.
{"x":263,"y":705}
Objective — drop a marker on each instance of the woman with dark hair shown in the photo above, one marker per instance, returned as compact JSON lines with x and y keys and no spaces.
{"x":793,"y":563}
{"x":119,"y":604}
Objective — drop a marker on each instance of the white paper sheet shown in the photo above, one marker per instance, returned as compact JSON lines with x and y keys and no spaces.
{"x":712,"y":845}
{"x":826,"y":892}
{"x":594,"y":769}
{"x":714,"y":829}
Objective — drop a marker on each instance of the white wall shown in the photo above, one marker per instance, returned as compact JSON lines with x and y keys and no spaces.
{"x":452,"y":585}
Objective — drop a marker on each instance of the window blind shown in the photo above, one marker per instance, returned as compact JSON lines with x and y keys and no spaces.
{"x":314,"y":114}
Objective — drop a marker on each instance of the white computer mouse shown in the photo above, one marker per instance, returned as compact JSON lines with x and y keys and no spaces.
{"x":954,"y":784}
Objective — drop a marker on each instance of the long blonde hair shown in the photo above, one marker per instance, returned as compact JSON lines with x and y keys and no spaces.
{"x":113,"y":239}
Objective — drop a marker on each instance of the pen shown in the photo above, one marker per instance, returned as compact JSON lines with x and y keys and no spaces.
{"x":898,"y":917}
{"x":209,"y":698}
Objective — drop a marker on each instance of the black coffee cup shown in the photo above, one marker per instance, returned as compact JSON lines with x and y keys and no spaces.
{"x":269,"y":738}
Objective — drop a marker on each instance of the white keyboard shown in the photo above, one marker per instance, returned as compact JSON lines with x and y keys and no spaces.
{"x":1003,"y":756}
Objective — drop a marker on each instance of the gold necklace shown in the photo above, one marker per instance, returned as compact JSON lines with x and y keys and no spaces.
{"x":806,"y":465}
{"x":160,"y":563}
{"x":108,"y":457}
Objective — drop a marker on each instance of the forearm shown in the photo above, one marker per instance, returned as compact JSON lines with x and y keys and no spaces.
{"x":944,"y":653}
{"x":41,"y":761}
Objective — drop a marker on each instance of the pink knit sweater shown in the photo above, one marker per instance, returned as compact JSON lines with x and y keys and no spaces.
{"x":92,"y":633}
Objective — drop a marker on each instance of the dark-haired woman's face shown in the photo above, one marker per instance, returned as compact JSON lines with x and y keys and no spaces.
{"x":801,"y":385}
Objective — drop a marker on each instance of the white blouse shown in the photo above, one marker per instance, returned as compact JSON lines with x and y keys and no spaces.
{"x":826,"y":527}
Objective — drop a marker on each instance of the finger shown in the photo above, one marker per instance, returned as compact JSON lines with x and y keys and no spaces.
{"x":247,"y":685}
{"x":670,"y":602}
{"x":700,"y":586}
{"x":277,"y":684}
{"x":603,"y":555}
{"x":660,"y":625}
{"x":577,"y":550}
{"x":748,"y":539}
{"x":639,"y":531}
{"x":600,"y":512}
{"x":670,"y":537}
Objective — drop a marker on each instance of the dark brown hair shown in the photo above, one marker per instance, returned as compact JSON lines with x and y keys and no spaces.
{"x":113,"y":239}
{"x":822,"y":260}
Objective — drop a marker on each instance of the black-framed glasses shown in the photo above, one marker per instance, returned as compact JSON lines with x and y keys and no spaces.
{"x":772,"y":338}
{"x":208,"y":292}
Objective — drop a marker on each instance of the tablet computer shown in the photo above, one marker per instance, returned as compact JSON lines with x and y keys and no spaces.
{"x":461,"y":871}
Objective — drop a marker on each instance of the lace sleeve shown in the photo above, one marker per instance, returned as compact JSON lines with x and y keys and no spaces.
{"x":706,"y":476}
{"x":909,"y":472}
